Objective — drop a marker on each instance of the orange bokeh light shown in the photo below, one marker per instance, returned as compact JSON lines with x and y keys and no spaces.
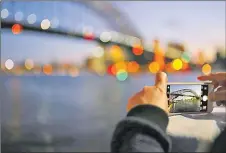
{"x":185,"y":66}
{"x":138,"y":50}
{"x":154,"y":67}
{"x":47,"y":69}
{"x":206,"y":69}
{"x":169,"y":68}
{"x":17,"y":29}
{"x":121,"y":66}
{"x":159,"y":57}
{"x":133,"y":67}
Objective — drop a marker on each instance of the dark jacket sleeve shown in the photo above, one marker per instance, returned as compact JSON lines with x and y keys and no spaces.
{"x":219,"y":144}
{"x":143,"y":130}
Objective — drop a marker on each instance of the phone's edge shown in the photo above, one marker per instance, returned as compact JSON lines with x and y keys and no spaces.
{"x":188,"y":83}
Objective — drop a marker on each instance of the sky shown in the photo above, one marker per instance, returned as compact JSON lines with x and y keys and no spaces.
{"x":197,"y":24}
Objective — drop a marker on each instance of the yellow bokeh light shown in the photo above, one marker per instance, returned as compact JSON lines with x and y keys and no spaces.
{"x":206,"y":69}
{"x":177,"y":64}
{"x":116,"y":53}
{"x":121,"y":66}
{"x":154,"y":67}
{"x":29,"y":64}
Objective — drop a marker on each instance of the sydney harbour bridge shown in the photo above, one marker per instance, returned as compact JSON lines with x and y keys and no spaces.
{"x":69,"y":18}
{"x":183,"y":92}
{"x":185,"y":102}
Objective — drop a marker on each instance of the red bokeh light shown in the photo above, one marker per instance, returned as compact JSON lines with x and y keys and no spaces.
{"x":88,"y":36}
{"x":138,"y":50}
{"x":111,"y":69}
{"x":17,"y":29}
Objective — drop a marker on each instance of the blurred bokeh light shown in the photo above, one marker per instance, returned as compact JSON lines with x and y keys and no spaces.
{"x":121,"y":66}
{"x":132,"y":67}
{"x":4,"y":13}
{"x":31,"y":19}
{"x":122,"y":75}
{"x":154,"y":67}
{"x":177,"y":64}
{"x":112,"y":69}
{"x":116,"y":53}
{"x":9,"y":64}
{"x":138,"y":50}
{"x":17,"y":29}
{"x":48,"y":69}
{"x":29,"y":64}
{"x":45,"y":24}
{"x":206,"y":69}
{"x":105,"y":37}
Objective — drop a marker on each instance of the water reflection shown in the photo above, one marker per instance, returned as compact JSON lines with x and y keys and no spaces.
{"x":65,"y":113}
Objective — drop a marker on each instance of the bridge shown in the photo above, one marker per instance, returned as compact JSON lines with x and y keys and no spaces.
{"x":109,"y":21}
{"x":177,"y":104}
{"x":182,"y":92}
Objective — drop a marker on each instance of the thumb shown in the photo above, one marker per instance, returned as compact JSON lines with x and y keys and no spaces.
{"x":161,"y":81}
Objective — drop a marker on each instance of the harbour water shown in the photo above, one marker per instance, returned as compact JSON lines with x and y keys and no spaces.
{"x":41,"y":113}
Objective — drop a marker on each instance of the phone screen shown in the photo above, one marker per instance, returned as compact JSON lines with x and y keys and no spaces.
{"x":187,"y":98}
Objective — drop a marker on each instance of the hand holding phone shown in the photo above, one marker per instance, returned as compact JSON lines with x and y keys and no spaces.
{"x":219,"y":82}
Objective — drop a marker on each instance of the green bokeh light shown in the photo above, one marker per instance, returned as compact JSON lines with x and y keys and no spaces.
{"x":186,"y":57}
{"x":122,"y":75}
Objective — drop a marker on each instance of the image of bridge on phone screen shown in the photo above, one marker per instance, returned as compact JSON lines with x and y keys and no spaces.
{"x":184,"y":98}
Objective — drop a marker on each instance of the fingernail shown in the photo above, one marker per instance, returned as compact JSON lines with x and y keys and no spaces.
{"x":162,"y":74}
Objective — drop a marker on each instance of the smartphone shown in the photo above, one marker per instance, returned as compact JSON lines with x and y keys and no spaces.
{"x":189,"y":97}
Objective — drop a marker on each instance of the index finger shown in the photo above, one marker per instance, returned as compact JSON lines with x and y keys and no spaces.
{"x":217,"y":96}
{"x":220,"y":76}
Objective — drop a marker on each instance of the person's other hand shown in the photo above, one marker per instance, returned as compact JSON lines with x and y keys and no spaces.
{"x":153,"y":95}
{"x":219,"y":82}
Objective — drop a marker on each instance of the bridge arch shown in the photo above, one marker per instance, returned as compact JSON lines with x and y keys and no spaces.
{"x":181,"y":92}
{"x":104,"y":15}
{"x":101,"y":15}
